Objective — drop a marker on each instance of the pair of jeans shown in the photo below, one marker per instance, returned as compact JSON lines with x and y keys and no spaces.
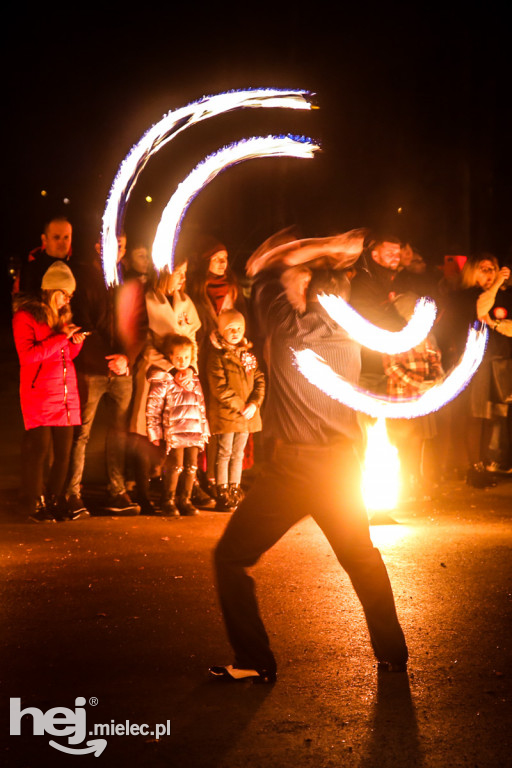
{"x":230,"y":457}
{"x":324,"y":482}
{"x":118,"y":392}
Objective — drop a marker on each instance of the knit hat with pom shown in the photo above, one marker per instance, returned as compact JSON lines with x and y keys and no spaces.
{"x":58,"y":277}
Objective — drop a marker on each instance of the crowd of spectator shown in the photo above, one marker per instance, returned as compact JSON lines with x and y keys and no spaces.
{"x":170,"y":354}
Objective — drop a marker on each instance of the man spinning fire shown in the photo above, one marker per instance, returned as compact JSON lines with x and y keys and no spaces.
{"x":314,"y":468}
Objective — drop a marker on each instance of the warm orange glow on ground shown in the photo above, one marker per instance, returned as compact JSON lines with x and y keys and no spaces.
{"x":381,"y":470}
{"x":384,"y":536}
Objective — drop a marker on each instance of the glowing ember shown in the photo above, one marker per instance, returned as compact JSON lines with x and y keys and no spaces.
{"x":381,"y":470}
{"x":167,"y":233}
{"x":163,"y":132}
{"x":373,"y":337}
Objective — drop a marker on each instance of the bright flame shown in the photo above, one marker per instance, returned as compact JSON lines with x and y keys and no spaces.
{"x":373,"y":337}
{"x":164,"y":131}
{"x":384,"y":536}
{"x":168,"y":229}
{"x":319,"y":373}
{"x":381,"y":470}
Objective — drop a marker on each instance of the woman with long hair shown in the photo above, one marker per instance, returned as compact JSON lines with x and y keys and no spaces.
{"x":47,"y":341}
{"x":214,"y":288}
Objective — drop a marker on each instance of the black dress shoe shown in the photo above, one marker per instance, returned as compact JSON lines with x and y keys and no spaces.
{"x":387,"y":666}
{"x":233,"y":674}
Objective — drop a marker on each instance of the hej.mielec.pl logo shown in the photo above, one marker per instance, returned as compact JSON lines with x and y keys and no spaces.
{"x":63,"y":722}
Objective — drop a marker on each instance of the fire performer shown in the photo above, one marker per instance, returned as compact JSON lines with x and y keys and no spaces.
{"x":314,"y":468}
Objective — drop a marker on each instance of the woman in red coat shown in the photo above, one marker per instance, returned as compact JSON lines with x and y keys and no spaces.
{"x":47,"y":341}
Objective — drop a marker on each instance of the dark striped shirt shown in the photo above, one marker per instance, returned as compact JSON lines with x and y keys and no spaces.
{"x":296,"y":411}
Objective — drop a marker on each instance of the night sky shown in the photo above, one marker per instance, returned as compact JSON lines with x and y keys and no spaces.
{"x":414,"y":114}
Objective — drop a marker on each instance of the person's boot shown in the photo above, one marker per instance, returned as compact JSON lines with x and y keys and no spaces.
{"x":211,"y":488}
{"x":184,"y":503}
{"x":185,"y":506}
{"x":236,"y":493}
{"x":224,"y":501}
{"x":168,"y":505}
{"x":168,"y":499}
{"x":200,"y":499}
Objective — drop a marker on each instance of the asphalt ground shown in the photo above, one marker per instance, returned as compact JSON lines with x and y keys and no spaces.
{"x":123,"y":612}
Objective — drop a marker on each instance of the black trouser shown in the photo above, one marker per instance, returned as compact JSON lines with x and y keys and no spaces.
{"x":179,"y":459}
{"x":36,"y":447}
{"x":145,"y":456}
{"x":304,"y":480}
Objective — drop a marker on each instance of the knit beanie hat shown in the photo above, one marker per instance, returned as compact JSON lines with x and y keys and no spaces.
{"x":229,"y":316}
{"x":58,"y":277}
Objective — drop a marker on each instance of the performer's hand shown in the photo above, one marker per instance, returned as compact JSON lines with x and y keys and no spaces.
{"x":249,"y":411}
{"x":339,"y":251}
{"x":155,"y":442}
{"x":347,"y":244}
{"x":118,"y":364}
{"x":78,"y":338}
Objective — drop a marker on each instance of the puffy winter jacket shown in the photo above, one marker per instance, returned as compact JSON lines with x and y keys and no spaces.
{"x":48,"y":387}
{"x":175,"y":413}
{"x":234,"y":380}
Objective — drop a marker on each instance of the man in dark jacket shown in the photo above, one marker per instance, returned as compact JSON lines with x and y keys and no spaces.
{"x":376,"y":284}
{"x":104,"y":370}
{"x":55,"y":246}
{"x":314,"y":469}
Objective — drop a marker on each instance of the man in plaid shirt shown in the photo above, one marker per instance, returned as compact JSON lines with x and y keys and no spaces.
{"x":408,"y":375}
{"x":411,"y":373}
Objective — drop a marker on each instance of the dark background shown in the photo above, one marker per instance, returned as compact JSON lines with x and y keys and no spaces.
{"x":415,"y":114}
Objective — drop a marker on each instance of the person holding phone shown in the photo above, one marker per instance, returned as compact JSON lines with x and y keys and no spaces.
{"x":47,"y":341}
